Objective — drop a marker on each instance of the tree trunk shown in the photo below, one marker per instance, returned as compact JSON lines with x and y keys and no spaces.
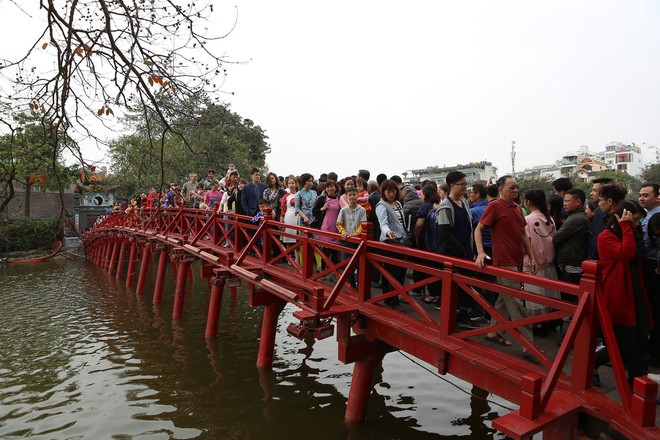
{"x":28,"y":190}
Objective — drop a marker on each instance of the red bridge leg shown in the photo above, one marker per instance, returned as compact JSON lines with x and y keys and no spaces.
{"x":215,"y":305}
{"x":120,"y":258}
{"x":106,"y":256}
{"x":144,"y":267}
{"x":268,"y":330}
{"x":358,"y":395}
{"x":160,"y":276}
{"x":131,"y":263}
{"x":113,"y":258}
{"x":180,"y":290}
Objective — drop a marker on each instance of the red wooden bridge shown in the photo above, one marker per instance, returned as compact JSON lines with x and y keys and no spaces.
{"x":553,"y":391}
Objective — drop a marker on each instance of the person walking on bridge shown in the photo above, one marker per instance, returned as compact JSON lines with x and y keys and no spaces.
{"x":510,"y":244}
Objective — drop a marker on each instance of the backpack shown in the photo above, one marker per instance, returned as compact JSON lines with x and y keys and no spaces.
{"x":431,"y":242}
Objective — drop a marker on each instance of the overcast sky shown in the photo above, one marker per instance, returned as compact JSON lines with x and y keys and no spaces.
{"x":391,"y":86}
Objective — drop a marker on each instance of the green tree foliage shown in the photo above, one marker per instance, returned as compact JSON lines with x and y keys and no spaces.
{"x":216,"y":137}
{"x":26,"y":158}
{"x":26,"y":234}
{"x":632,"y":183}
{"x":88,"y":60}
{"x":651,"y":173}
{"x":543,"y":183}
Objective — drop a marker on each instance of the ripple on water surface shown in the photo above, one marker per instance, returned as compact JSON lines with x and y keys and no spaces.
{"x":84,"y":357}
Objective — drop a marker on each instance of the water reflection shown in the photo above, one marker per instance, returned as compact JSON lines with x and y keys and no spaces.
{"x":84,"y":357}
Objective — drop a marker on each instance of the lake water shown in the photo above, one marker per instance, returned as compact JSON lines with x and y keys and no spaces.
{"x":83,"y":357}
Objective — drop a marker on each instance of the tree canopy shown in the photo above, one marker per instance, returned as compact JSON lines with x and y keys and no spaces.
{"x":651,"y":173}
{"x":26,"y":158}
{"x":92,"y":59}
{"x":216,"y":135}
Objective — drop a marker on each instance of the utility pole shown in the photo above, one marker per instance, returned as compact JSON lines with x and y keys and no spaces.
{"x":513,"y":159}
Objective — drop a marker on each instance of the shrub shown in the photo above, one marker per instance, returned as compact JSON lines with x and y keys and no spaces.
{"x":26,"y":234}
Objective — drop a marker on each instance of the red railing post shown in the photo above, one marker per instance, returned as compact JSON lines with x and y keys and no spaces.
{"x":530,"y":396}
{"x":365,"y":271}
{"x":266,"y":248}
{"x":307,"y":256}
{"x":449,"y":302}
{"x":643,"y":401}
{"x":584,"y":347}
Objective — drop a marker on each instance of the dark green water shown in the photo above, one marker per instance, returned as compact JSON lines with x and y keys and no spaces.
{"x":81,"y":356}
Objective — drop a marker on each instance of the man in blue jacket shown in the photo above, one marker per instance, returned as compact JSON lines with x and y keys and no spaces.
{"x":252,"y":193}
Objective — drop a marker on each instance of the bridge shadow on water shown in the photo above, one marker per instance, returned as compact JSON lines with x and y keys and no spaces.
{"x":213,"y":387}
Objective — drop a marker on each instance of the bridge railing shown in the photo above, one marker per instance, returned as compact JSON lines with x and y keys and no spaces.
{"x":262,"y":245}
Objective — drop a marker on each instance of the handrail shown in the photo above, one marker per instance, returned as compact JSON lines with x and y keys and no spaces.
{"x":241,"y":237}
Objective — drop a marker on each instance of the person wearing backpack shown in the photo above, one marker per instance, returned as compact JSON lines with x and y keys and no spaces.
{"x":424,"y":230}
{"x":455,"y":235}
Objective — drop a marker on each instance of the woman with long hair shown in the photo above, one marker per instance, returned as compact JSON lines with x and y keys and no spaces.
{"x":326,"y":211}
{"x":273,"y":193}
{"x":288,"y":212}
{"x":555,"y":205}
{"x":623,"y":288}
{"x":540,"y":230}
{"x":392,"y":227}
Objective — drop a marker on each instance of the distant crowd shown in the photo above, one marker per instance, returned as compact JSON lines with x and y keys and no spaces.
{"x":488,"y":223}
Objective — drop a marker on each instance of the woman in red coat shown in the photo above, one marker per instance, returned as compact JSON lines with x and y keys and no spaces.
{"x":623,"y":289}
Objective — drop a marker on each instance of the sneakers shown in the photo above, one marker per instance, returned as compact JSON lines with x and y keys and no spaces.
{"x":474,"y":317}
{"x":462,"y":320}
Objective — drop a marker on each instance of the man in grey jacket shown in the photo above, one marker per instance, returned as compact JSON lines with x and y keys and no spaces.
{"x":572,"y":239}
{"x":454,"y":223}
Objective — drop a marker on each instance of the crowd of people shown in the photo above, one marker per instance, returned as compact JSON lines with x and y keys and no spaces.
{"x":489,"y":223}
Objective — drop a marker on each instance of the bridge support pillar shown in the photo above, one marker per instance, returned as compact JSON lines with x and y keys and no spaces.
{"x":112,"y":264}
{"x":109,"y":244}
{"x":160,"y":275}
{"x":180,"y":291}
{"x":132,"y":256}
{"x":120,"y":258}
{"x":144,"y":267}
{"x":215,"y":306}
{"x":358,"y":394}
{"x":272,"y":311}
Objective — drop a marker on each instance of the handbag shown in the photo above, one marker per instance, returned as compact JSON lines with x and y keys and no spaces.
{"x":407,"y":240}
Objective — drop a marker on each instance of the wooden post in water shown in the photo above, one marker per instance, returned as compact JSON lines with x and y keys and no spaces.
{"x":120,"y":258}
{"x":180,"y":291}
{"x":268,"y":331}
{"x":360,"y":390}
{"x":144,"y":267}
{"x":160,"y":275}
{"x":215,"y":306}
{"x":109,"y":243}
{"x":131,"y":262}
{"x":113,"y":258}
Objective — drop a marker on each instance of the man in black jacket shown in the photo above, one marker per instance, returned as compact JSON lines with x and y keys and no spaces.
{"x":572,"y":238}
{"x":600,"y":217}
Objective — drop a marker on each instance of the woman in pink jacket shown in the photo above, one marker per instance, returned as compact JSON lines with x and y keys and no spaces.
{"x":540,"y":230}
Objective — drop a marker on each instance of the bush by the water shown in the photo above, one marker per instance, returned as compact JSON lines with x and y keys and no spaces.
{"x":27,"y":234}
